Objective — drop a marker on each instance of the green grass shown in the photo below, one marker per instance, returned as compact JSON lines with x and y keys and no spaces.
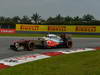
{"x":35,"y":35}
{"x":86,"y":63}
{"x":23,"y":35}
{"x":87,"y":36}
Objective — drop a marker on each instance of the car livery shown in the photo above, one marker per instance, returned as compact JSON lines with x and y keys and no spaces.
{"x":49,"y":41}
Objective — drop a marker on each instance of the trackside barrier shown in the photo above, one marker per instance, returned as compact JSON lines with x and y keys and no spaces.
{"x":25,"y":28}
{"x":8,"y":31}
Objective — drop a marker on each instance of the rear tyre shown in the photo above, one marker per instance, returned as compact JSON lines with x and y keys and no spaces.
{"x":69,"y":44}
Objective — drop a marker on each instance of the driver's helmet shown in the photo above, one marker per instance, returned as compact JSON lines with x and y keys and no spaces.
{"x":52,"y":36}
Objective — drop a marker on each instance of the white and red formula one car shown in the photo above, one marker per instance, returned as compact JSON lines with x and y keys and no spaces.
{"x":50,"y":41}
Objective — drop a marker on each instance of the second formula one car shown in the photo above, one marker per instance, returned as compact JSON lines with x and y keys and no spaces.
{"x":49,"y":41}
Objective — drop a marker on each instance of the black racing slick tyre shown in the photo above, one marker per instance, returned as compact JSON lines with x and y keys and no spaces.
{"x":30,"y":46}
{"x":69,"y":44}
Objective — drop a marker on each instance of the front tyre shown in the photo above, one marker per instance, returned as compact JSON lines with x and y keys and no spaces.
{"x":30,"y":46}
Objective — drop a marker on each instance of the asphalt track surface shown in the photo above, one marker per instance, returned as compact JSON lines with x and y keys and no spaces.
{"x":6,"y":52}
